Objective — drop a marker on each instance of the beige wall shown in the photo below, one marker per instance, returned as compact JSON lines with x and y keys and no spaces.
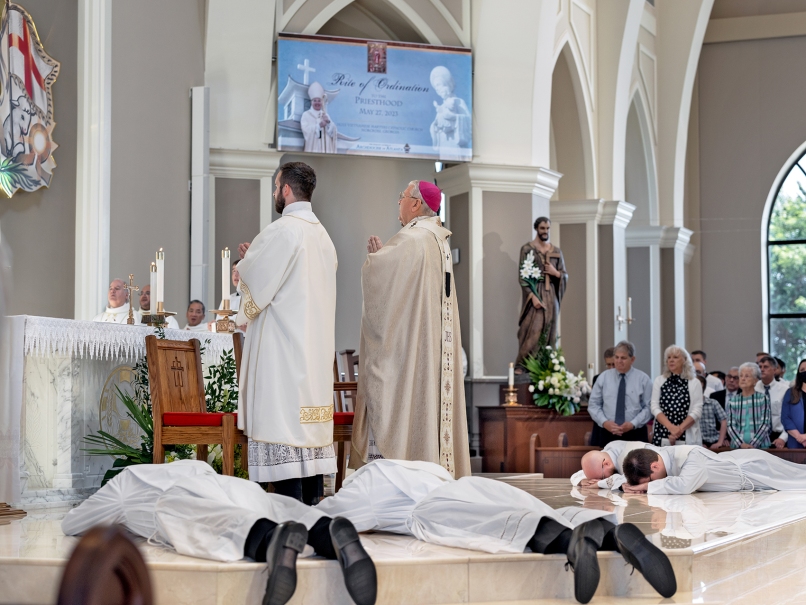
{"x":507,"y":219}
{"x":751,"y":120}
{"x":157,"y":56}
{"x":39,"y":227}
{"x":237,"y":213}
{"x":639,"y":287}
{"x":573,"y":312}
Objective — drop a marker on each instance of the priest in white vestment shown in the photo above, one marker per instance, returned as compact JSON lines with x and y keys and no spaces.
{"x":145,"y":308}
{"x":117,"y":311}
{"x":411,"y":399}
{"x":318,"y":130}
{"x":288,"y":289}
{"x":685,"y":469}
{"x":195,"y":316}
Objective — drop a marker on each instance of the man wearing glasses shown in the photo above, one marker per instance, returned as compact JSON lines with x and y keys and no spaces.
{"x":731,"y":387}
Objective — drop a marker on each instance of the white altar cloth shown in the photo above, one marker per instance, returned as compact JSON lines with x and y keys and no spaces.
{"x":52,"y":376}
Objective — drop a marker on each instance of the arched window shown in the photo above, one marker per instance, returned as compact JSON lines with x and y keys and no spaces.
{"x":786,"y":257}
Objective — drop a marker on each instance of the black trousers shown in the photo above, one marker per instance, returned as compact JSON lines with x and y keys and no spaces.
{"x":308,"y":490}
{"x":600,"y":437}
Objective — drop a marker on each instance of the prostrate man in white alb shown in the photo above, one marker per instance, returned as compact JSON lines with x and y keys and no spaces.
{"x":145,"y":308}
{"x":195,"y":316}
{"x":620,"y":400}
{"x":603,"y":468}
{"x":117,"y":311}
{"x":685,"y":469}
{"x":712,"y":381}
{"x":775,"y":390}
{"x":288,"y":289}
{"x":421,"y":499}
{"x":411,"y":398}
{"x":188,"y":506}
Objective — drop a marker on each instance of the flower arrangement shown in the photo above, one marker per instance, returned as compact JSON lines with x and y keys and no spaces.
{"x":552,"y":385}
{"x":531,"y":275}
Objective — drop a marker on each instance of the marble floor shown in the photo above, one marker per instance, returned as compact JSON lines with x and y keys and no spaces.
{"x":726,"y":548}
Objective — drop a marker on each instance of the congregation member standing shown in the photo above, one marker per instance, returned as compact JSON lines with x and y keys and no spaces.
{"x":775,"y":390}
{"x":609,"y":363}
{"x":731,"y":387}
{"x":792,"y":415}
{"x":411,"y":398}
{"x":619,"y":402}
{"x":288,"y":298}
{"x":677,"y":401}
{"x":713,"y":422}
{"x":712,"y":382}
{"x":749,"y":416}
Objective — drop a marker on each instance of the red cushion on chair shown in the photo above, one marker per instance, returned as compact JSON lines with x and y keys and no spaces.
{"x":194,"y":419}
{"x":343,"y":417}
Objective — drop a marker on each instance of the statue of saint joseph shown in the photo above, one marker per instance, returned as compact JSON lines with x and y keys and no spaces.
{"x":537,"y":316}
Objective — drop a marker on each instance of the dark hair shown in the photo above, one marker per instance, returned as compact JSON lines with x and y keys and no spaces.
{"x":698,"y":352}
{"x":794,"y":397}
{"x":719,"y":374}
{"x":204,"y":309}
{"x":300,"y":177}
{"x":541,"y":219}
{"x":234,"y":264}
{"x":611,"y":352}
{"x":770,"y":360}
{"x":637,"y":465}
{"x":781,"y":363}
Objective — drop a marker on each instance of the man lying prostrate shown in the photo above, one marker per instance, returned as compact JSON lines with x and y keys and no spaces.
{"x":685,"y":469}
{"x":421,"y":499}
{"x":602,"y":468}
{"x":188,"y":506}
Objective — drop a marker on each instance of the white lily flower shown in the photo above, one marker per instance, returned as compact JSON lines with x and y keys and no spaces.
{"x":531,"y":388}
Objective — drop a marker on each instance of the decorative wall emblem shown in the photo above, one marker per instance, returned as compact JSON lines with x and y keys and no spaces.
{"x":114,"y":417}
{"x":27,"y":74}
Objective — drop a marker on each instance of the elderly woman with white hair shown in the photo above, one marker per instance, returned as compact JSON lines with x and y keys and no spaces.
{"x":677,"y":401}
{"x":749,"y":412}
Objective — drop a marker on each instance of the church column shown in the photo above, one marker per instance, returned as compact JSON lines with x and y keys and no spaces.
{"x":93,"y":156}
{"x":674,"y":254}
{"x":614,"y":217}
{"x":644,"y":286}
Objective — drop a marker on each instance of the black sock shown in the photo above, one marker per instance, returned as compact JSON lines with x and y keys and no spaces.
{"x":550,"y":537}
{"x":257,"y":541}
{"x":289,"y":487}
{"x":313,"y":488}
{"x":319,"y":538}
{"x":609,"y":542}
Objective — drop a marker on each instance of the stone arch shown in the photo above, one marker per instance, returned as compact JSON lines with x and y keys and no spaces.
{"x":640,"y":173}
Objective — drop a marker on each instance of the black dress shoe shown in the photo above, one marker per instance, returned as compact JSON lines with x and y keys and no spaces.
{"x":287,"y":541}
{"x":647,"y":558}
{"x":585,"y":541}
{"x":356,"y":565}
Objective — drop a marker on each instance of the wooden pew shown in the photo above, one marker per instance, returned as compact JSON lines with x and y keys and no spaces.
{"x":556,"y":462}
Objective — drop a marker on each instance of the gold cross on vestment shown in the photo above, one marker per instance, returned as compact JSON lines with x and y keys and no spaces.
{"x":130,"y":287}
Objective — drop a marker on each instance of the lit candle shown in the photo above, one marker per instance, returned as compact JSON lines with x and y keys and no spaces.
{"x":153,"y":306}
{"x":225,"y":276}
{"x":629,"y":308}
{"x":511,"y":375}
{"x":160,"y":276}
{"x":590,"y":373}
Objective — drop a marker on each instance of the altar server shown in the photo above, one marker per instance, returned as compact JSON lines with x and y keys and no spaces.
{"x":690,"y":468}
{"x":288,"y":289}
{"x":188,"y":506}
{"x":603,"y":468}
{"x":117,"y":311}
{"x":411,"y":399}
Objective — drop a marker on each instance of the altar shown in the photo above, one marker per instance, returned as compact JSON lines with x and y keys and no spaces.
{"x":60,"y":384}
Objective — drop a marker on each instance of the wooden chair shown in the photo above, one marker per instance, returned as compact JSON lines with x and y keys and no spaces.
{"x":106,"y":568}
{"x":178,"y":404}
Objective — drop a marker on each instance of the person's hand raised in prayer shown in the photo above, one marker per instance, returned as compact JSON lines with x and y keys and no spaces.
{"x":242,"y":248}
{"x":535,"y":301}
{"x":374,"y":244}
{"x":641,"y":488}
{"x":779,"y":443}
{"x":612,"y":427}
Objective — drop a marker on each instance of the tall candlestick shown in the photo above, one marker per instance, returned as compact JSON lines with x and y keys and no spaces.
{"x":511,"y":375}
{"x":225,"y":281}
{"x":160,"y":276}
{"x":153,"y":294}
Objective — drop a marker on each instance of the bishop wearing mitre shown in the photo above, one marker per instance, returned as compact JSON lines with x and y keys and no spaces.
{"x":411,"y":398}
{"x":117,"y":311}
{"x":318,"y":130}
{"x":288,"y":299}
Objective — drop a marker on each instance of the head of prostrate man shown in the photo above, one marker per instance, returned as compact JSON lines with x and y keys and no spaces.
{"x":117,"y":295}
{"x":420,"y":198}
{"x":642,"y":466}
{"x":295,"y":182}
{"x":145,"y":298}
{"x":195,"y":312}
{"x":597,"y":465}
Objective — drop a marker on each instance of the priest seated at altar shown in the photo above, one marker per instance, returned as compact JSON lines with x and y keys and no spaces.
{"x":117,"y":309}
{"x":145,"y":308}
{"x":195,"y":316}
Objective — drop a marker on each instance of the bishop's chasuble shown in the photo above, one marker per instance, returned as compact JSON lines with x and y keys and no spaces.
{"x":288,"y":297}
{"x":411,"y":397}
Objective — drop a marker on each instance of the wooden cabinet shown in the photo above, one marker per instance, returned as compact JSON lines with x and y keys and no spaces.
{"x":506,"y":431}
